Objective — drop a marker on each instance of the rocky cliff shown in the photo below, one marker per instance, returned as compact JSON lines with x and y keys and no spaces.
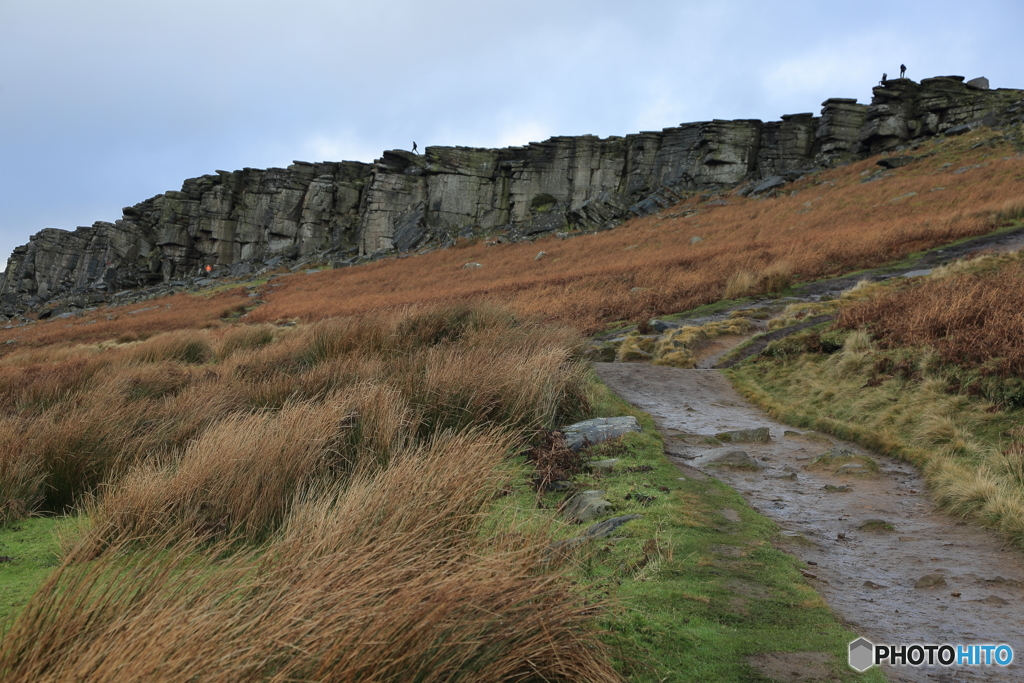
{"x":240,"y":221}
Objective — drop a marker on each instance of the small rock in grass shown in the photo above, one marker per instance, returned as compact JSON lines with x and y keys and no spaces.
{"x":605,"y":528}
{"x":582,"y":434}
{"x":603,"y":465}
{"x":585,"y":506}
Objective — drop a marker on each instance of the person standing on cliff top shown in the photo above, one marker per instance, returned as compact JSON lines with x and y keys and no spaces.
{"x":903,"y":70}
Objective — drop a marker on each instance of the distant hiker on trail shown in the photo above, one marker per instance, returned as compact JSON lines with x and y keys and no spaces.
{"x":903,"y":70}
{"x":414,"y":147}
{"x":884,"y":77}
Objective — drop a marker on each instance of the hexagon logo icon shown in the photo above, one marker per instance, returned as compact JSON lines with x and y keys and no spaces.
{"x":862,"y":654}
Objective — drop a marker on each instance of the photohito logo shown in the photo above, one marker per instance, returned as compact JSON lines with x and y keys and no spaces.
{"x":864,"y":654}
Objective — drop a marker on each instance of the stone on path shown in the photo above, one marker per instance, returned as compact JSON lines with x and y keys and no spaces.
{"x":757,"y":435}
{"x":726,"y":457}
{"x":929,"y":581}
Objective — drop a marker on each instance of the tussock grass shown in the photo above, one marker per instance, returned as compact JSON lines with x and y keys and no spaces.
{"x":677,"y":347}
{"x":971,"y":318}
{"x":81,"y":422}
{"x":386,"y":580}
{"x":338,"y":532}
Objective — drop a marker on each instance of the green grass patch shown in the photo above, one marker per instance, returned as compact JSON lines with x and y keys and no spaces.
{"x":32,"y":546}
{"x":696,"y":586}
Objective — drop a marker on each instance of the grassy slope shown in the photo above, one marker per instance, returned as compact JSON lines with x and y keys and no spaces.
{"x":680,"y":614}
{"x":683,"y":610}
{"x":827,"y":224}
{"x":962,"y":444}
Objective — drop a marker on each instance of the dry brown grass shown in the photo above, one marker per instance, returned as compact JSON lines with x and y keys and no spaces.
{"x":389,"y":579}
{"x":828,"y":224}
{"x":834,"y":224}
{"x":188,"y":415}
{"x":301,"y":504}
{"x":971,"y":319}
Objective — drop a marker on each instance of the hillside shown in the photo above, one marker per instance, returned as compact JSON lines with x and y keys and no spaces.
{"x":836,"y":221}
{"x":357,"y":466}
{"x":251,"y":220}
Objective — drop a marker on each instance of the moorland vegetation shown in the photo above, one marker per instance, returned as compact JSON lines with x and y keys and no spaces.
{"x":345,"y":498}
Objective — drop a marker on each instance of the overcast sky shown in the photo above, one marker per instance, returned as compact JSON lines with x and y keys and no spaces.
{"x":104,"y":103}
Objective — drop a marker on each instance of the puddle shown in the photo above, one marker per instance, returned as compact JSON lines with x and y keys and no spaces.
{"x":890,"y":566}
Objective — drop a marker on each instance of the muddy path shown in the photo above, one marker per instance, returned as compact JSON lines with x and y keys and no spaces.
{"x":871,"y":574}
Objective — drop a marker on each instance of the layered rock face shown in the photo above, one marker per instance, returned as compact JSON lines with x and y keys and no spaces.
{"x":902,"y":110}
{"x":347,"y":211}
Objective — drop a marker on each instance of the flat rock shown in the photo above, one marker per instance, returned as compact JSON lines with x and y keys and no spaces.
{"x":929,"y":581}
{"x":767,"y":184}
{"x":589,"y":432}
{"x":603,"y":465}
{"x":918,"y":273}
{"x":585,"y":506}
{"x":757,"y":435}
{"x":726,"y":457}
{"x":608,"y":526}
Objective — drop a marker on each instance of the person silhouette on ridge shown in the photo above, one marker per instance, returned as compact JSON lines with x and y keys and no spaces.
{"x":884,"y":78}
{"x":903,"y":70}
{"x":414,"y":147}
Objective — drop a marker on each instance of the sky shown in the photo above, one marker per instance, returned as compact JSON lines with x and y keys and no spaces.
{"x":105,"y":103}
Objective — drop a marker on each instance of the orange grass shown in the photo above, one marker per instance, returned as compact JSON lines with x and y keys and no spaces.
{"x":389,"y":579}
{"x":834,"y":224}
{"x":202,"y":421}
{"x":971,"y":319}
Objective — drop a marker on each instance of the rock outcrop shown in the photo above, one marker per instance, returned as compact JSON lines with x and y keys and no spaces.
{"x":346,"y":212}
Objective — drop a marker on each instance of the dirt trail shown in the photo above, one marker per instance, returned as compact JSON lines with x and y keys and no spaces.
{"x":867,"y":575}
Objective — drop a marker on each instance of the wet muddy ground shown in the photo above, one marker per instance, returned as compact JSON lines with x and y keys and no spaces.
{"x":889,"y":564}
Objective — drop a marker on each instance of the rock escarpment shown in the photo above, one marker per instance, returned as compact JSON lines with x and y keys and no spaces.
{"x":241,"y":221}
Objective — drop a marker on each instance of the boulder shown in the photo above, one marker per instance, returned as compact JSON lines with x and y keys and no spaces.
{"x":896,"y":162}
{"x":980,"y":83}
{"x":585,"y":506}
{"x":589,"y":432}
{"x":767,"y":184}
{"x":605,"y":466}
{"x":726,"y":457}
